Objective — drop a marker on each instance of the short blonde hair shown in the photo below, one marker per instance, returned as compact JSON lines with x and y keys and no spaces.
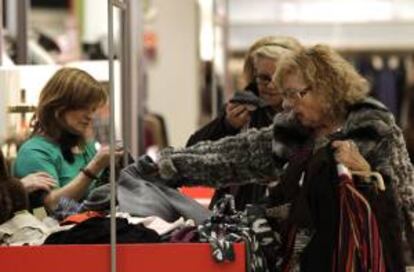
{"x":272,"y":47}
{"x":326,"y":72}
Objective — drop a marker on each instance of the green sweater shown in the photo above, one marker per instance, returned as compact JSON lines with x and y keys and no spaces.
{"x":40,"y":154}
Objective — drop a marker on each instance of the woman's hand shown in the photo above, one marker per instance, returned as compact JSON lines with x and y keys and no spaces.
{"x":237,"y":115}
{"x":38,"y":181}
{"x":102,"y":157}
{"x":347,"y":153}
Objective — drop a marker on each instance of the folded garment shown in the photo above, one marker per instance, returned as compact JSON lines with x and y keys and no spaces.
{"x":143,"y":195}
{"x":99,"y":199}
{"x":25,"y":229}
{"x":96,"y":230}
{"x":248,"y":98}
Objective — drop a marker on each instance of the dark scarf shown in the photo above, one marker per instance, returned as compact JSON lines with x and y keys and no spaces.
{"x":67,"y":141}
{"x":326,"y":205}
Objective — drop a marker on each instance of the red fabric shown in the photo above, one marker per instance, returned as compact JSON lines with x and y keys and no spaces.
{"x":358,"y":247}
{"x":80,"y":217}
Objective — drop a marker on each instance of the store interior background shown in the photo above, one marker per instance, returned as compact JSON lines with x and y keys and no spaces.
{"x":190,"y":52}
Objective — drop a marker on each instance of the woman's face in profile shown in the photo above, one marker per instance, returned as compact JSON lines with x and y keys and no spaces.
{"x":79,"y":121}
{"x":303,"y":102}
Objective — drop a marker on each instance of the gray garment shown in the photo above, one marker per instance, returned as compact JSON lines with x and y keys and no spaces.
{"x":244,"y":158}
{"x":245,"y":97}
{"x":255,"y":154}
{"x":99,"y":199}
{"x":147,"y":196}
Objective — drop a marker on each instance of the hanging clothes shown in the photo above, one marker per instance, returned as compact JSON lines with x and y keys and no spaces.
{"x":317,"y":234}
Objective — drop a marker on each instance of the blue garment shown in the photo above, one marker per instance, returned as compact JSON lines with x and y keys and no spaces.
{"x":386,"y":89}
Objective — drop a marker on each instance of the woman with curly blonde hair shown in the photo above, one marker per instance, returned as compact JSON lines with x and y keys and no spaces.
{"x":341,"y":163}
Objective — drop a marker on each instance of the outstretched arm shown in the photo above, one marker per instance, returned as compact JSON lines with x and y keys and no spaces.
{"x":244,"y":158}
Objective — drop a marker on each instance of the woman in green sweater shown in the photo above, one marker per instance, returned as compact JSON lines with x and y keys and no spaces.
{"x":61,"y":143}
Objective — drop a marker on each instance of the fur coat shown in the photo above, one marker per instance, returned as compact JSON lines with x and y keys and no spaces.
{"x":261,"y":155}
{"x":258,"y":156}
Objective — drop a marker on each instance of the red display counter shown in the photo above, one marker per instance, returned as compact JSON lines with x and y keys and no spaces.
{"x":186,"y":257}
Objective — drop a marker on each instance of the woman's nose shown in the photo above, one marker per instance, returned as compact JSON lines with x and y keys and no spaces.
{"x":271,"y":85}
{"x":89,"y":116}
{"x":287,"y":104}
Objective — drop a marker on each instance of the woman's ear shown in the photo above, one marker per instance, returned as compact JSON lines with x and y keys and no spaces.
{"x":58,"y":114}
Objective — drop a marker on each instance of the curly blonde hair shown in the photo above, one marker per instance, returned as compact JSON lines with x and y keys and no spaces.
{"x":327,"y":73}
{"x":272,"y":47}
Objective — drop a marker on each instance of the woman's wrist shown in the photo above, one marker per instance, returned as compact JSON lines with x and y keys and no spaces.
{"x":93,"y":168}
{"x":88,"y":173}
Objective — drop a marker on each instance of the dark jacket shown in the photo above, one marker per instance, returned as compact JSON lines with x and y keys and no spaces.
{"x":219,"y":128}
{"x":315,"y":208}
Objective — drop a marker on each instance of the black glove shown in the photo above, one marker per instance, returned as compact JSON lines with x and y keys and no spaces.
{"x":147,"y":166}
{"x":150,"y":171}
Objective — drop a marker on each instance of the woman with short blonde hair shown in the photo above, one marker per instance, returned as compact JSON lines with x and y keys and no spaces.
{"x":260,"y":63}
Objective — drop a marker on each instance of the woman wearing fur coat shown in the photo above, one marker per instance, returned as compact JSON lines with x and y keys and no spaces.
{"x":328,"y":114}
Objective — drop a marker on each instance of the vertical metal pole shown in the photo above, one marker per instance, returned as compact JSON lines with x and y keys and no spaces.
{"x":226,"y":48}
{"x":1,"y":32}
{"x":214,"y":90}
{"x":133,"y":77}
{"x":112,"y":134}
{"x":126,"y":119}
{"x":23,"y":7}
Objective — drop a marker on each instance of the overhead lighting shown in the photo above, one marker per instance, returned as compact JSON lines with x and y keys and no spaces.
{"x":350,"y":11}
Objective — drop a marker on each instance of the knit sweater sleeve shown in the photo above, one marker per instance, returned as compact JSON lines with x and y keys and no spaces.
{"x":239,"y":159}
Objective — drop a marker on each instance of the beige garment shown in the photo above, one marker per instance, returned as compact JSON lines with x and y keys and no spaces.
{"x":25,"y":229}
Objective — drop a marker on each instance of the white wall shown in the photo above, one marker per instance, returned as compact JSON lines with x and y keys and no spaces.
{"x":173,"y":78}
{"x":12,"y":80}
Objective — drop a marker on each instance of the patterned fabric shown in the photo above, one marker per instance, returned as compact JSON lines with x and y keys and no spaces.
{"x":358,"y":247}
{"x":66,"y":207}
{"x":228,"y":226}
{"x":296,"y":242}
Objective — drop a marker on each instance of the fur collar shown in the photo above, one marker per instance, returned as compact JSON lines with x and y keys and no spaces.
{"x":367,"y":122}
